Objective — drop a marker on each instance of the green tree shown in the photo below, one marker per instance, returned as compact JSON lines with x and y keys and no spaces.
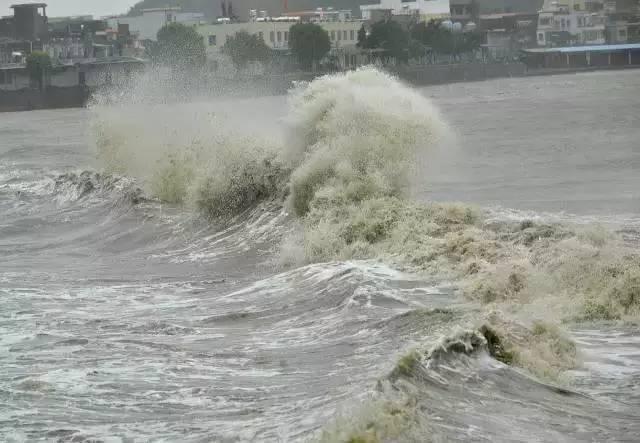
{"x":38,"y":66}
{"x":244,"y":48}
{"x":309,"y":43}
{"x":362,"y":37}
{"x":179,"y":46}
{"x":391,"y":37}
{"x":442,"y":40}
{"x":434,"y":35}
{"x":471,"y":41}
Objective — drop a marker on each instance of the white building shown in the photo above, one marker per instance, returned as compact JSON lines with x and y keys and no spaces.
{"x":275,"y":33}
{"x":151,"y":21}
{"x":565,"y":25}
{"x":425,"y":9}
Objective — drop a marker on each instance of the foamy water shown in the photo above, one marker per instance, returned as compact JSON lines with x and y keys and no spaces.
{"x":187,"y":273}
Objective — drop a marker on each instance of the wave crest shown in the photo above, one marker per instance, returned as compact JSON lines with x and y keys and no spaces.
{"x":355,"y":136}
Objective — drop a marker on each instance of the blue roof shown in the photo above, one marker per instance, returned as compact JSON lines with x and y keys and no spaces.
{"x":595,"y":48}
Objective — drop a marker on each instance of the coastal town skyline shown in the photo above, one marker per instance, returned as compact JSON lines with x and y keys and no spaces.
{"x":62,"y":8}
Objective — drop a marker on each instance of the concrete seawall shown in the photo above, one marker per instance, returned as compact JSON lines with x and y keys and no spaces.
{"x":439,"y":74}
{"x":51,"y":98}
{"x":278,"y":84}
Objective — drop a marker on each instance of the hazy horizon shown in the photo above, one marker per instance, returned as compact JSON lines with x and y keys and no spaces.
{"x":58,"y":8}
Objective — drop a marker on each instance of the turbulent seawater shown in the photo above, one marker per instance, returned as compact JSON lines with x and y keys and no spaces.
{"x":359,"y":261}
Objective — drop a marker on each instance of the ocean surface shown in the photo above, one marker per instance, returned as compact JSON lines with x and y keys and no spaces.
{"x":260,"y":269}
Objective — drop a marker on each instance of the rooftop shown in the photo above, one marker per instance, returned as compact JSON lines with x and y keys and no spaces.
{"x":167,"y":9}
{"x":573,"y":49}
{"x":29,"y":5}
{"x":505,"y":15}
{"x":110,"y":61}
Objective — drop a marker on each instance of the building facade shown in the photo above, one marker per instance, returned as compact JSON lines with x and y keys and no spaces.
{"x":571,"y":24}
{"x":425,"y":10}
{"x":275,"y":33}
{"x":147,"y":25}
{"x":464,"y":11}
{"x":24,"y":32}
{"x":508,"y":33}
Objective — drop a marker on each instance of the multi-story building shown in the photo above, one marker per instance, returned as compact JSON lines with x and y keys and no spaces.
{"x":24,"y":32}
{"x":463,"y":11}
{"x":84,"y":52}
{"x":318,"y":15}
{"x":147,"y":25}
{"x":623,"y":24}
{"x":425,"y":10}
{"x":275,"y":33}
{"x":564,"y":25}
{"x":507,"y":33}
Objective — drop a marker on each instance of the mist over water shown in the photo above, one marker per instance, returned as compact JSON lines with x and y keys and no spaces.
{"x":354,"y":260}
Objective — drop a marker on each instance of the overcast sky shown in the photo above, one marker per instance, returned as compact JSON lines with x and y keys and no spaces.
{"x":55,"y":8}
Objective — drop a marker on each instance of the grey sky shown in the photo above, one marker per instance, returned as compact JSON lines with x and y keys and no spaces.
{"x":96,"y":8}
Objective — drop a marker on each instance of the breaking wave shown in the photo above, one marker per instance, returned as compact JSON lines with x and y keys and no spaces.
{"x":344,"y":172}
{"x":75,"y":186}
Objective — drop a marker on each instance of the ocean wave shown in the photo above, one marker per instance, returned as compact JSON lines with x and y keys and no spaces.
{"x":74,"y":186}
{"x":344,"y":172}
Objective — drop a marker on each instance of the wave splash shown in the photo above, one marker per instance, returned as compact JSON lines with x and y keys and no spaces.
{"x":344,"y":172}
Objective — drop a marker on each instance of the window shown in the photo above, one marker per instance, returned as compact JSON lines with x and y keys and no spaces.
{"x":261,"y":34}
{"x":545,"y":21}
{"x":352,"y":34}
{"x":622,"y":33}
{"x":344,"y":35}
{"x":272,"y":36}
{"x":333,"y":35}
{"x":568,"y":23}
{"x":339,"y":35}
{"x":279,"y":36}
{"x":541,"y":37}
{"x":212,"y":40}
{"x":82,"y":78}
{"x":286,"y":36}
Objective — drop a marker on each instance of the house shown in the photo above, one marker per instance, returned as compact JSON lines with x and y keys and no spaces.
{"x":274,"y":31}
{"x":319,"y":15}
{"x":579,"y":23}
{"x":147,"y":25}
{"x":623,"y":24}
{"x":508,"y":33}
{"x":425,"y":10}
{"x":464,"y":11}
{"x":24,"y":32}
{"x":30,"y":21}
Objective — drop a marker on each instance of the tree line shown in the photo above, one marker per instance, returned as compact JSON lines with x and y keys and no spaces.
{"x":393,"y":40}
{"x":309,"y":44}
{"x":182,"y":46}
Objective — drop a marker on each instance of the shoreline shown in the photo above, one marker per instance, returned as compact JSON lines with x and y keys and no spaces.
{"x":23,"y":100}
